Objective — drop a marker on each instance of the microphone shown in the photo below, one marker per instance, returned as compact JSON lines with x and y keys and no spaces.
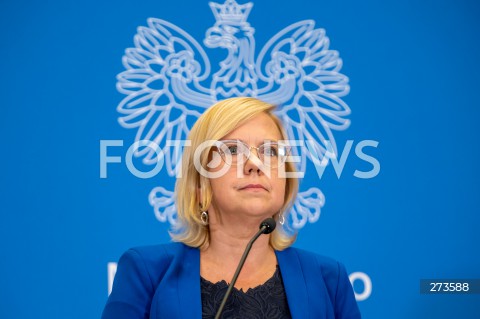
{"x":266,"y":227}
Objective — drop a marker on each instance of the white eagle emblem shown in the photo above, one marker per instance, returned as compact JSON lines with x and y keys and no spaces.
{"x":168,"y":83}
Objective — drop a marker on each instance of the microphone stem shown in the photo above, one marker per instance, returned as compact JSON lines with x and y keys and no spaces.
{"x":237,"y":272}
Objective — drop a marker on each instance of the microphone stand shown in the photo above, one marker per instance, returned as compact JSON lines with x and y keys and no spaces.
{"x":265,"y":228}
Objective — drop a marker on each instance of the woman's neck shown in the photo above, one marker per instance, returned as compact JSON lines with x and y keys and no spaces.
{"x":227,"y":245}
{"x":231,"y":244}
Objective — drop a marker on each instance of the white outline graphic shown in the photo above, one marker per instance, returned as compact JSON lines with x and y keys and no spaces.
{"x":166,"y":86}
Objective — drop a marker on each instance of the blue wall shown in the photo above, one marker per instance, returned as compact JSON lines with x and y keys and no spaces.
{"x":413,"y":75}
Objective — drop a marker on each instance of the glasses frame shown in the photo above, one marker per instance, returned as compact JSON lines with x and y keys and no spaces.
{"x":218,"y":144}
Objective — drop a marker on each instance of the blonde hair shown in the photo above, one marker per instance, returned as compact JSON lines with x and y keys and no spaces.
{"x":218,"y":121}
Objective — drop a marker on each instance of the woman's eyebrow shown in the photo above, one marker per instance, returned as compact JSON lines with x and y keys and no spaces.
{"x":263,"y":141}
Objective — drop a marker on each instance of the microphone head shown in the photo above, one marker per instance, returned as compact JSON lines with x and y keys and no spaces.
{"x":269,"y":225}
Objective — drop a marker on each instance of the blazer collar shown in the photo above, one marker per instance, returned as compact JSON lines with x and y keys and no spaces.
{"x":290,"y":268}
{"x":294,"y":282}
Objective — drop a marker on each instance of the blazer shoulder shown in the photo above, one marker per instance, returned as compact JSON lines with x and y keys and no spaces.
{"x":139,"y":271}
{"x":335,"y":280}
{"x":156,"y":257}
{"x":148,"y":264}
{"x":308,"y":257}
{"x":159,"y":250}
{"x":313,"y":265}
{"x":325,"y":274}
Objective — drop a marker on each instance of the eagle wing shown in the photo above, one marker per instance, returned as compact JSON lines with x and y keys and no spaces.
{"x":302,"y":76}
{"x":162,"y":84}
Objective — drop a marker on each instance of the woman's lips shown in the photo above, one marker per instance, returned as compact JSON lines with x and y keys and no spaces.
{"x":253,"y":187}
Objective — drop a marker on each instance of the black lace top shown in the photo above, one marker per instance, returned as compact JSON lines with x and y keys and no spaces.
{"x":265,"y":301}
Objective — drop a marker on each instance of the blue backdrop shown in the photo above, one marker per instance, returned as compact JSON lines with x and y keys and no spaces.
{"x":413,"y":74}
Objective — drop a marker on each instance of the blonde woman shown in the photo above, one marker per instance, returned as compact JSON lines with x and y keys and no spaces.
{"x":234,"y":176}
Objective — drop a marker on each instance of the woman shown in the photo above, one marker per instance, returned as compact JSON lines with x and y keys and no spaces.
{"x":233,"y":177}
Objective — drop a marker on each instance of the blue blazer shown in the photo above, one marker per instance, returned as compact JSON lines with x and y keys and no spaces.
{"x":163,"y":281}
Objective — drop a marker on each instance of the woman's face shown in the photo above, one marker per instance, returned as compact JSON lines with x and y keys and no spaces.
{"x":246,"y":190}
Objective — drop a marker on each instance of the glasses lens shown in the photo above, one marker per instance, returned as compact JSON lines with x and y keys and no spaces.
{"x":233,"y":151}
{"x":273,"y":154}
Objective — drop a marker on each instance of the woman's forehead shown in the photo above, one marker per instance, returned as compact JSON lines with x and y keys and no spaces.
{"x":259,"y":128}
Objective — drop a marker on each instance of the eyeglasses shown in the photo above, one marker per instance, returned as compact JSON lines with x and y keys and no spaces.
{"x":271,"y":154}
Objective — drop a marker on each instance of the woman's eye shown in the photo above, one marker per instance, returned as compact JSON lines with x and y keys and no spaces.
{"x":270,"y":150}
{"x":232,"y":149}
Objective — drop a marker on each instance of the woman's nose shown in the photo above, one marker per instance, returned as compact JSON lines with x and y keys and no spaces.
{"x":252,"y":163}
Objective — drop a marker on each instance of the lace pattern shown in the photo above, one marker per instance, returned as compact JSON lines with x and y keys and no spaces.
{"x":264,"y":301}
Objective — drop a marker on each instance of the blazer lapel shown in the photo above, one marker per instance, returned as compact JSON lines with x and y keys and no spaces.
{"x":294,"y":283}
{"x":189,"y":284}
